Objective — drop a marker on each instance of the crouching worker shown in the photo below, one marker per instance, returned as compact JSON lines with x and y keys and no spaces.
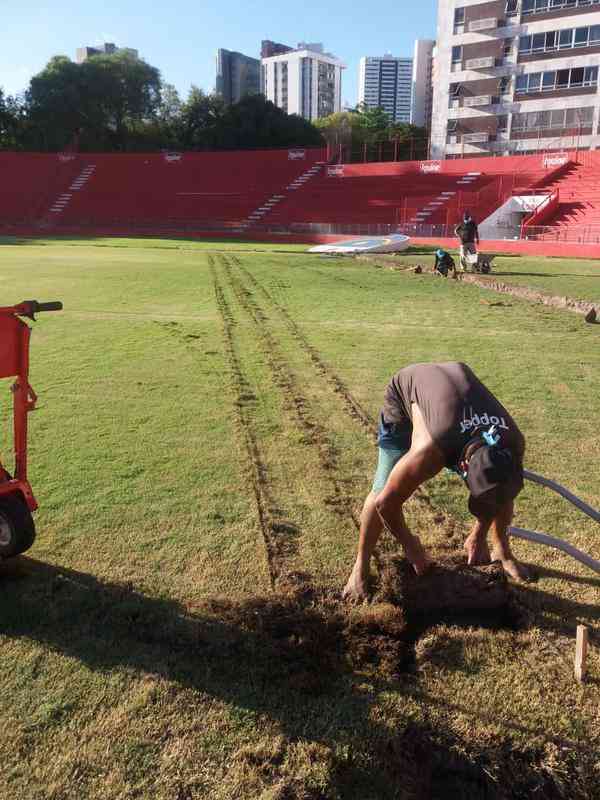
{"x":436,"y":416}
{"x":444,"y":263}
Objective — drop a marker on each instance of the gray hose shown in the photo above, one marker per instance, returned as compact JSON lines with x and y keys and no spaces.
{"x":556,"y":487}
{"x":558,"y":544}
{"x":552,"y":541}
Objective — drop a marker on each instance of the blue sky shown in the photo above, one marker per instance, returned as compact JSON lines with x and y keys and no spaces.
{"x":180,"y":37}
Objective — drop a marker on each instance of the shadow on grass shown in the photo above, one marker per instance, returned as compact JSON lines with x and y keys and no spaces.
{"x":546,"y":572}
{"x":13,"y":240}
{"x":559,"y":615}
{"x":286,"y":656}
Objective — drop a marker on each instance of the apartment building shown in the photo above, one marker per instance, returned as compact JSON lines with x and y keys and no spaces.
{"x":386,"y":82}
{"x":305,"y":81}
{"x":422,"y":83}
{"x":515,"y":76}
{"x":107,"y":49}
{"x":237,"y":75}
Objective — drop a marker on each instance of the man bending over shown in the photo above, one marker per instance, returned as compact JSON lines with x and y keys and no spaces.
{"x":436,"y":416}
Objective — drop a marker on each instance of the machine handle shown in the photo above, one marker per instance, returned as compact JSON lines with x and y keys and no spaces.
{"x":53,"y":305}
{"x":29,"y":308}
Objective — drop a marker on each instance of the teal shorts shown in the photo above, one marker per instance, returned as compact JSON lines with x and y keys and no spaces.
{"x":394,"y":442}
{"x":388,"y":458}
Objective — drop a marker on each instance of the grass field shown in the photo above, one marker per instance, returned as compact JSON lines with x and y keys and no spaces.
{"x":203,"y":443}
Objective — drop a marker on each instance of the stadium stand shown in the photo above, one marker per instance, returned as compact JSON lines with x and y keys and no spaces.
{"x":354,"y":196}
{"x":417,"y":195}
{"x":278,"y":191}
{"x":168,"y":190}
{"x":578,"y":188}
{"x":29,"y":182}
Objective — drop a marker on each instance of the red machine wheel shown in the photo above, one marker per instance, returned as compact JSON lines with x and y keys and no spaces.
{"x":17,"y":530}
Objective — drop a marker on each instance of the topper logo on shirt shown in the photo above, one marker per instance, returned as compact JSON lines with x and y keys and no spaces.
{"x":485,"y":419}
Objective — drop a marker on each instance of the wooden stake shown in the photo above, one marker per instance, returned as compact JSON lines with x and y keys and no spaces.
{"x":581,"y":647}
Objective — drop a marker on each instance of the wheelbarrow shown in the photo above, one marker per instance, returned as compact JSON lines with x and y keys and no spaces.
{"x":471,"y":260}
{"x":17,"y":529}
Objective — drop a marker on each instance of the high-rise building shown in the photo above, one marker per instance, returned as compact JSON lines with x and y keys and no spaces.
{"x":422,"y":83}
{"x":237,"y":75}
{"x":515,"y":76}
{"x":305,"y":81}
{"x":107,"y":49}
{"x":269,"y":48}
{"x":386,"y":82}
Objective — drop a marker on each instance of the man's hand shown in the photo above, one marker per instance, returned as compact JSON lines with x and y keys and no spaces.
{"x":356,"y":590}
{"x":416,"y":554}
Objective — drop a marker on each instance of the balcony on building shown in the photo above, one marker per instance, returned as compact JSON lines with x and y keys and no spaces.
{"x":487,"y":24}
{"x":476,"y":138}
{"x":486,"y":62}
{"x":479,"y":100}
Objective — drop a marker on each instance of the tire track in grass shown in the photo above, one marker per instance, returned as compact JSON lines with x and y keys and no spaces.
{"x":277,"y":549}
{"x":351,"y":405}
{"x":313,"y":433}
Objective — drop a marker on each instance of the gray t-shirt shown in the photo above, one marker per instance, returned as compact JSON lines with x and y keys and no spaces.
{"x":453,"y":402}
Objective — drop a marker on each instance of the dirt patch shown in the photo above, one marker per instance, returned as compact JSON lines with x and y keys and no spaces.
{"x":449,"y":587}
{"x":312,"y":635}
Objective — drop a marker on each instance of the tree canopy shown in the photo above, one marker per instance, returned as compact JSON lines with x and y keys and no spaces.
{"x":368,"y":134}
{"x":118,"y":102}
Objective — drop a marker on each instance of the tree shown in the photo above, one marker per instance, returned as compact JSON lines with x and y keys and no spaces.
{"x":197,"y":124}
{"x":368,"y":134}
{"x":373,"y":120}
{"x":57,"y":105}
{"x":11,"y":122}
{"x":126,"y":89}
{"x":118,"y":103}
{"x":101,"y":101}
{"x":170,"y":105}
{"x":257,"y":122}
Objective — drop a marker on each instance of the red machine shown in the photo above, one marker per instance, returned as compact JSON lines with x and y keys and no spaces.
{"x":17,"y":530}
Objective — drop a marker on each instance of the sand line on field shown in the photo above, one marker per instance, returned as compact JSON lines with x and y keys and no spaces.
{"x":269,"y":526}
{"x":284,"y":377}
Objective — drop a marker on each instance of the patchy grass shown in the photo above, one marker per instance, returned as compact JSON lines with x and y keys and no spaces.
{"x":201,"y":450}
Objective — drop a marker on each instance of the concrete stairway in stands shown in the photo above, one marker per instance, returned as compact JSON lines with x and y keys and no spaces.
{"x":61,"y":203}
{"x":579,"y":198}
{"x":259,"y":214}
{"x":443,"y":198}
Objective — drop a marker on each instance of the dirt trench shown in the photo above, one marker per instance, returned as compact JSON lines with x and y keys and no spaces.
{"x":587,"y":309}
